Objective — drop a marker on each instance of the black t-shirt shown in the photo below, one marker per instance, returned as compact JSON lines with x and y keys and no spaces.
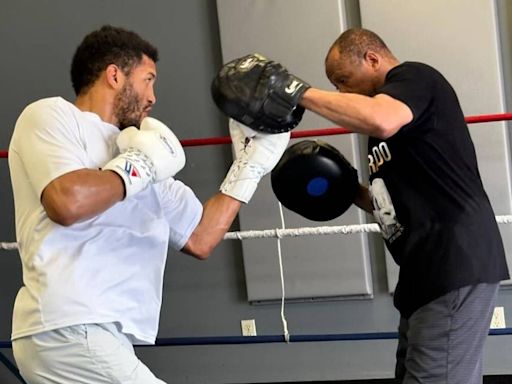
{"x":428,"y":196}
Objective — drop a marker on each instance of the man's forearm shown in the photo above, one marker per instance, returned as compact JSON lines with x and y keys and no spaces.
{"x":81,"y":194}
{"x":219,"y":212}
{"x":363,"y":199}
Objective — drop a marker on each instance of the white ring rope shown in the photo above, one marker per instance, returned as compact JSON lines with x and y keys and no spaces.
{"x":296,"y":232}
{"x":8,"y":246}
{"x":327,"y":230}
{"x":304,"y":231}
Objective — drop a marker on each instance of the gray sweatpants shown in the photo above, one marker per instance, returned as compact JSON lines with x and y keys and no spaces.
{"x":443,"y":341}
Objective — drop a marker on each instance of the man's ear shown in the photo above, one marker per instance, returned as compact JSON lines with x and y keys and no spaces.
{"x":114,"y":76}
{"x":373,"y":59}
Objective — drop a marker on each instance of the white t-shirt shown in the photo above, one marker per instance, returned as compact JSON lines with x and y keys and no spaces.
{"x":108,"y":268}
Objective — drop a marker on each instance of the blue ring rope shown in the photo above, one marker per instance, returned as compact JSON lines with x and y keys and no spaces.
{"x":11,"y":367}
{"x":223,"y":340}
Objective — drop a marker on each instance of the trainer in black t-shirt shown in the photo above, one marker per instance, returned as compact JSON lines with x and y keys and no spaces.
{"x":428,"y":196}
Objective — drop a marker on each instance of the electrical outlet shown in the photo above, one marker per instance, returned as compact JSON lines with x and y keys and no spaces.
{"x":498,"y":318}
{"x":248,"y":327}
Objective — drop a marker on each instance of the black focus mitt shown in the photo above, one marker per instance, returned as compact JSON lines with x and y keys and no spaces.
{"x":259,"y":93}
{"x":315,"y":180}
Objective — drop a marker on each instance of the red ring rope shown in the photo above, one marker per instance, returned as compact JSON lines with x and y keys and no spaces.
{"x":319,"y":132}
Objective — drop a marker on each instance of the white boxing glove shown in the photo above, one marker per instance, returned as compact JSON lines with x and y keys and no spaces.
{"x":148,"y":155}
{"x":256,"y":154}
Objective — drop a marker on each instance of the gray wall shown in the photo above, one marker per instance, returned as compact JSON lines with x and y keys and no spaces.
{"x":200,"y":298}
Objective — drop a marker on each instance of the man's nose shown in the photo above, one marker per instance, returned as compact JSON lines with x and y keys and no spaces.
{"x":152,"y":97}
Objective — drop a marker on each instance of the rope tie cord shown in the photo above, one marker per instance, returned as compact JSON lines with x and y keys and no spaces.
{"x":281,"y":274}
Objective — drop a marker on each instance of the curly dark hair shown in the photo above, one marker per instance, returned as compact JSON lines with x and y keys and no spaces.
{"x":105,"y":46}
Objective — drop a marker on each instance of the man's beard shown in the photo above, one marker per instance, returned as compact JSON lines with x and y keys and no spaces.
{"x":127,"y":107}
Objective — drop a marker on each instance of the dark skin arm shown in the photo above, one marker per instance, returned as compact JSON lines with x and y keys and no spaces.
{"x":363,"y":199}
{"x":85,"y":193}
{"x":379,"y":116}
{"x":219,"y":212}
{"x":81,"y":194}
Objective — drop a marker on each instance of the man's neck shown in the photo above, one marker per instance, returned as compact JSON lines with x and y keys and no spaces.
{"x":99,"y":103}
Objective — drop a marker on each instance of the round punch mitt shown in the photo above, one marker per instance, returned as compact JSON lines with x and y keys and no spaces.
{"x":314,"y":180}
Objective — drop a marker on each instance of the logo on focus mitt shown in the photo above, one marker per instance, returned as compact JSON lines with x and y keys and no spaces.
{"x":259,"y":93}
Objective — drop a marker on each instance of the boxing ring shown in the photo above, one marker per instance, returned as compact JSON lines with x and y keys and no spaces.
{"x":279,"y":233}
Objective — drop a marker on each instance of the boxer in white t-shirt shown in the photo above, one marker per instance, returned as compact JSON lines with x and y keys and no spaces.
{"x":97,"y":206}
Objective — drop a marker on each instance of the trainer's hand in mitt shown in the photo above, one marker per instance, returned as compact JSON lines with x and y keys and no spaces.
{"x":259,"y":93}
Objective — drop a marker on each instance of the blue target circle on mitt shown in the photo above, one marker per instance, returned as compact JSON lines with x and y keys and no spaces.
{"x":317,"y":186}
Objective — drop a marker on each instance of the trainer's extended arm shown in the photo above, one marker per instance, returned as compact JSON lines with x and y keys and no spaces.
{"x":379,"y":116}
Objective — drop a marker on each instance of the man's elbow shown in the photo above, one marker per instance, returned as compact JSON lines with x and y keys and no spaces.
{"x":199,"y":250}
{"x":384,"y":130}
{"x":202,"y":255}
{"x":61,"y":208}
{"x":388,"y":116}
{"x":62,"y":214}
